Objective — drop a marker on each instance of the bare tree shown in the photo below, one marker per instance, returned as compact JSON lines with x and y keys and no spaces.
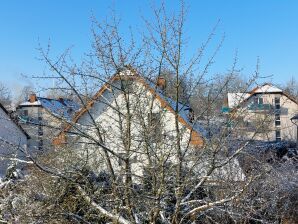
{"x":291,"y":87}
{"x":130,"y":155}
{"x":5,"y":95}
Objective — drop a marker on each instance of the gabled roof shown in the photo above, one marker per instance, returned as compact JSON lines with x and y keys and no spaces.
{"x":266,"y":88}
{"x":131,"y":74}
{"x":64,"y":108}
{"x":14,"y":121}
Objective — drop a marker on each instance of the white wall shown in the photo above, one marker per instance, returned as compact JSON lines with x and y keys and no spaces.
{"x":11,"y":140}
{"x":107,"y":118}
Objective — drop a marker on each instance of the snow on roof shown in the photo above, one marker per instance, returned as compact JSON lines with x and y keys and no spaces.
{"x":27,"y":103}
{"x":183,"y":109}
{"x":64,"y":108}
{"x":235,"y":98}
{"x":267,"y":88}
{"x":126,"y":72}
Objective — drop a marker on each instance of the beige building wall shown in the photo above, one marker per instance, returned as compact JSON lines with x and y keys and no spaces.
{"x":270,"y":121}
{"x":41,"y":135}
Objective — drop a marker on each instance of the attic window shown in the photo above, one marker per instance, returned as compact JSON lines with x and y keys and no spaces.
{"x":154,"y":125}
{"x":154,"y":118}
{"x":126,"y":85}
{"x":258,"y":100}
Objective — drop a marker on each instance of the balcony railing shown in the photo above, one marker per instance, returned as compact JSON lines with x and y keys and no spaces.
{"x":225,"y":109}
{"x":260,"y":107}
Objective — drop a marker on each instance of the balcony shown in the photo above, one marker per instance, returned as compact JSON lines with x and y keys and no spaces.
{"x":260,"y":107}
{"x":225,"y":109}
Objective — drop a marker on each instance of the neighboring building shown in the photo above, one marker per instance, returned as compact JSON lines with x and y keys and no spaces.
{"x":42,"y":118}
{"x":152,"y":132}
{"x":262,"y":114}
{"x":13,"y":140}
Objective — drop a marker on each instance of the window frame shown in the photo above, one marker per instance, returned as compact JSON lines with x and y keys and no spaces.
{"x":278,"y":135}
{"x":277,"y":120}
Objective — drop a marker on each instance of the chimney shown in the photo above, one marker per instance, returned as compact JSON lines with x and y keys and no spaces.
{"x":61,"y":100}
{"x":161,"y":83}
{"x":32,"y":98}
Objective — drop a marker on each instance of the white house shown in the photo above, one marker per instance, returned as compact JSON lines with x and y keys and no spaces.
{"x":131,"y":118}
{"x":13,"y":140}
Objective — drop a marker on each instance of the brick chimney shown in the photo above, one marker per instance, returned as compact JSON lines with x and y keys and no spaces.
{"x":61,"y":100}
{"x":32,"y":98}
{"x":161,"y":83}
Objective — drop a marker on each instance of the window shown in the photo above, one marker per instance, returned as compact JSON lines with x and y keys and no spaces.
{"x":154,"y":119}
{"x":40,"y":144}
{"x":258,"y":100}
{"x":277,"y":119}
{"x":277,"y":135}
{"x":120,"y":160}
{"x":25,"y":113}
{"x":40,"y":131}
{"x":127,"y":86}
{"x":277,"y":103}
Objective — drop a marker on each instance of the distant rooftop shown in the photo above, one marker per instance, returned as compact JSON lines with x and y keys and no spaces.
{"x":235,"y":99}
{"x":64,"y":108}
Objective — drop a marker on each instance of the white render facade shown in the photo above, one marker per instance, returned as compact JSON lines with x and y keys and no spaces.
{"x":110,"y":120}
{"x":13,"y":140}
{"x":152,"y":129}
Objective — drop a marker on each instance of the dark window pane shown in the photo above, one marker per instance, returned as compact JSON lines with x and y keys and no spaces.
{"x":277,"y":100}
{"x":260,"y":100}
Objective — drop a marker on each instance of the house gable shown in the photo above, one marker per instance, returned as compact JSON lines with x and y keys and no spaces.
{"x":264,"y":89}
{"x":131,"y":75}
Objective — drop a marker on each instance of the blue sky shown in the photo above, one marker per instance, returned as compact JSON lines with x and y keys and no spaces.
{"x":267,"y":29}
